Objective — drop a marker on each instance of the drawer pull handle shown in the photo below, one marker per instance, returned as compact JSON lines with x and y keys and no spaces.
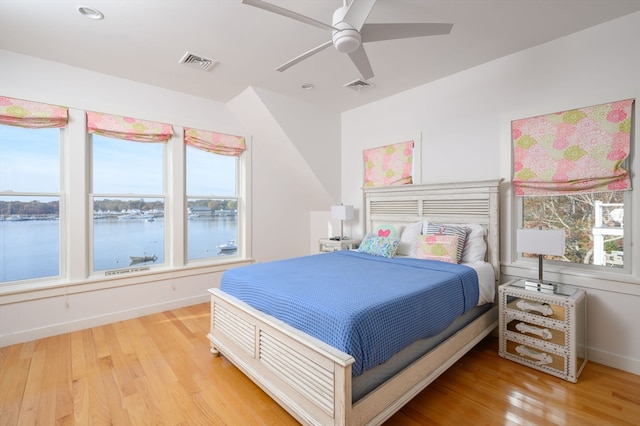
{"x":541,"y":357}
{"x":526,"y":328}
{"x":543,"y":308}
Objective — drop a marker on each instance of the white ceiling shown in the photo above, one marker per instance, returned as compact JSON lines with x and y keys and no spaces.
{"x":143,"y":40}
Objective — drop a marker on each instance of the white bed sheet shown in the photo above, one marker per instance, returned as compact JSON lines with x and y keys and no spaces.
{"x":486,"y":281}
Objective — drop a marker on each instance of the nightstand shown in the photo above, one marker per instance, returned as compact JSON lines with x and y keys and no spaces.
{"x":544,"y":329}
{"x":327,"y":245}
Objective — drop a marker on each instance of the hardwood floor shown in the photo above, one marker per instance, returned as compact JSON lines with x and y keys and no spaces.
{"x":157,"y":370}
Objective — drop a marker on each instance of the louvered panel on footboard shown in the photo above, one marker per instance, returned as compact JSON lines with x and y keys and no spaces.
{"x":307,"y":377}
{"x":232,"y":325}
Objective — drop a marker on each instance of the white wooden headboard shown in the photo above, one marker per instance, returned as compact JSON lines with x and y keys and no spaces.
{"x":460,"y":202}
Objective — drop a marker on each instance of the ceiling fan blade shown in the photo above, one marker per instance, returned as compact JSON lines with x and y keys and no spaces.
{"x":358,"y":12}
{"x":379,"y":32}
{"x":288,"y":13}
{"x":305,"y":55}
{"x":361,"y":61}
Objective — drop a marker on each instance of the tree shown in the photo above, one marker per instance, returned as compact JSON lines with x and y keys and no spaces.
{"x":576,"y":215}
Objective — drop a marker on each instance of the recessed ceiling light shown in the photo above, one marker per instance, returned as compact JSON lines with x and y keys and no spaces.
{"x":307,"y":86}
{"x":90,"y":12}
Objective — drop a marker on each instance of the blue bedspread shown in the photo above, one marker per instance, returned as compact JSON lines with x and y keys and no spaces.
{"x":367,"y":306}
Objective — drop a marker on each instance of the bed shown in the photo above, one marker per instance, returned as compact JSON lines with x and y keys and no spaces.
{"x":318,"y":383}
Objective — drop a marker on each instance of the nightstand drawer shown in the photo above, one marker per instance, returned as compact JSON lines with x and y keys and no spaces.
{"x":544,"y":334}
{"x":542,"y":359}
{"x":539,"y":308}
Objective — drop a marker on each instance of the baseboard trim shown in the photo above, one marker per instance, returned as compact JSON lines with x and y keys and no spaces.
{"x":84,"y":323}
{"x":614,"y":361}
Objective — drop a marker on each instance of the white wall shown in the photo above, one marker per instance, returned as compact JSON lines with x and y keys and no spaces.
{"x":285,"y":187}
{"x":465,"y":124}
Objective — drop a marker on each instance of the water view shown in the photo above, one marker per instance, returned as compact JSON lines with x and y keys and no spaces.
{"x":29,"y":248}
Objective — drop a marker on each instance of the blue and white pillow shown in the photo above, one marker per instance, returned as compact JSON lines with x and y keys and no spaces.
{"x":379,"y":246}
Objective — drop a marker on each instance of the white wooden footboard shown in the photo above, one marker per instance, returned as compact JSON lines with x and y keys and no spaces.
{"x":307,"y":377}
{"x":311,"y":379}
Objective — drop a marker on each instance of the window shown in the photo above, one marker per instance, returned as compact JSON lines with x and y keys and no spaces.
{"x":212,"y":204}
{"x":128,"y":203}
{"x":128,"y":200}
{"x":29,"y":203}
{"x":571,"y":169}
{"x":593,"y":224}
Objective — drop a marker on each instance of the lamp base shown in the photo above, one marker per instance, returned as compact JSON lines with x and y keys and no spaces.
{"x":543,"y":287}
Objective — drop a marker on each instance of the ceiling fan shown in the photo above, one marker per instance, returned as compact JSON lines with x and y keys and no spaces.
{"x":350,"y":31}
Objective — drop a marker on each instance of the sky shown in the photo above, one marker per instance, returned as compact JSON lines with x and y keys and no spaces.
{"x":29,"y":162}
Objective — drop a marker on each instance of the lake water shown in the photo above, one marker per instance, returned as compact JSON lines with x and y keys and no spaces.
{"x":29,"y":249}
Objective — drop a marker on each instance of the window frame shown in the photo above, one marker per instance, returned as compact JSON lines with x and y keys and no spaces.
{"x":623,"y":280}
{"x":62,"y":244}
{"x":91,"y":203}
{"x":76,"y":216}
{"x":240,"y":189}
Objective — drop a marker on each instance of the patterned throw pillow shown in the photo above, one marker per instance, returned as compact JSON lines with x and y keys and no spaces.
{"x":379,"y":246}
{"x":461,"y":232}
{"x":438,"y":247}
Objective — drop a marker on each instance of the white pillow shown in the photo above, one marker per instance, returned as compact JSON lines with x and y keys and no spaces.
{"x":476,"y":247}
{"x":409,"y":239}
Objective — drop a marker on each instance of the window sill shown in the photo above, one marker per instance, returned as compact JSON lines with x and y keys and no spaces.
{"x":40,"y":289}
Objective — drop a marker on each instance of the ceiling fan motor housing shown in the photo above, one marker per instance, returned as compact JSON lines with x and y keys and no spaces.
{"x":347,"y":40}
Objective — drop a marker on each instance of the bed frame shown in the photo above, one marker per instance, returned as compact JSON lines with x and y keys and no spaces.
{"x":311,"y":379}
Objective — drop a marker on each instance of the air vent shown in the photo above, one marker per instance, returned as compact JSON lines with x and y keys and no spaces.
{"x":125,"y":271}
{"x":358,"y":85}
{"x":196,"y":61}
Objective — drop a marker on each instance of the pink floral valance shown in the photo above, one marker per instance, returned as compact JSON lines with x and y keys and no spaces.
{"x":576,"y":151}
{"x":34,"y":115}
{"x":388,"y":165}
{"x":127,"y":128}
{"x":217,"y":143}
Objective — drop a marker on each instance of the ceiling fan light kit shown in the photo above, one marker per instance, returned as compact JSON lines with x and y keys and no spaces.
{"x":347,"y":40}
{"x":349,"y":31}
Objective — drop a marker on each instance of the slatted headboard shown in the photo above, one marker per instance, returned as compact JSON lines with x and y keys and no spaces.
{"x":461,"y":202}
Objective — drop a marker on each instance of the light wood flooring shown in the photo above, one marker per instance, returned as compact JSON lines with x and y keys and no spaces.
{"x":157,"y":370}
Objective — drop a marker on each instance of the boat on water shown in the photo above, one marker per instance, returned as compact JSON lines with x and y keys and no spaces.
{"x":229,"y":247}
{"x":141,"y":259}
{"x":129,"y":216}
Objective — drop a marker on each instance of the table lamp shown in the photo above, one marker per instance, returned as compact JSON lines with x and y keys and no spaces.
{"x":341,"y":213}
{"x":541,"y":242}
